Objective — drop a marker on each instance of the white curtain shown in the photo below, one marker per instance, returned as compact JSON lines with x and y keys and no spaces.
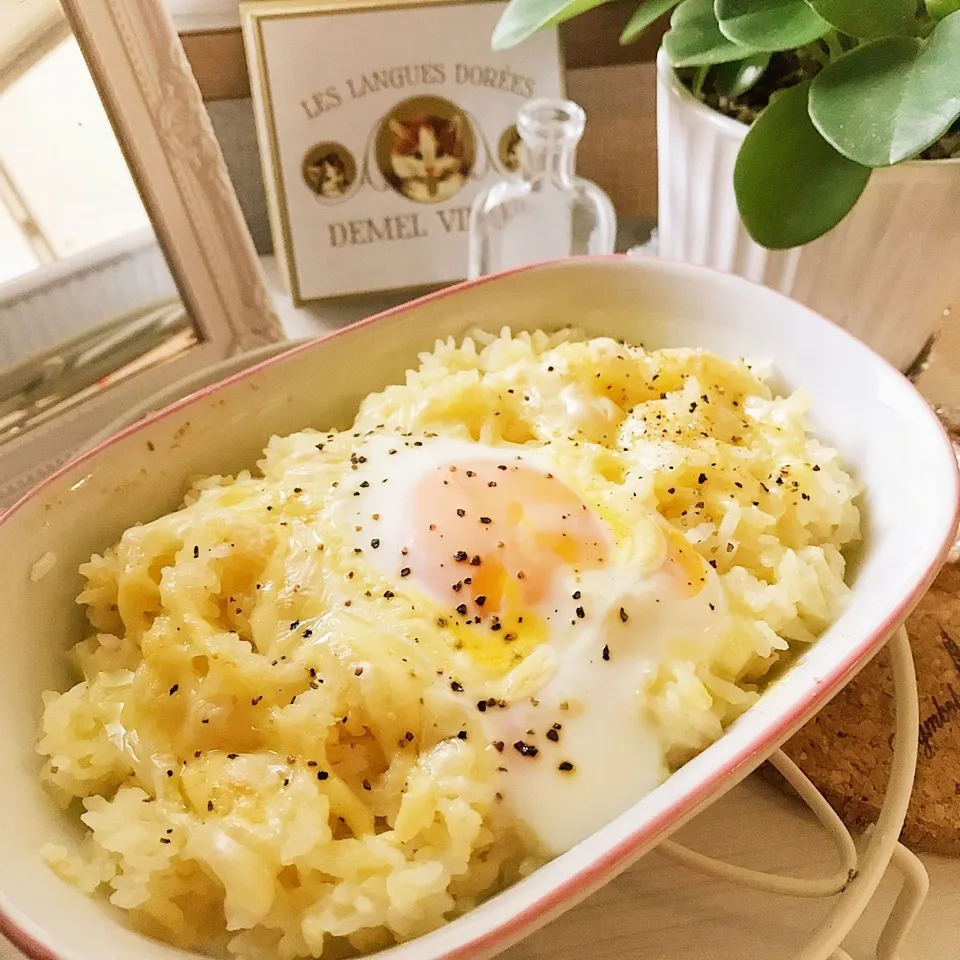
{"x":28,"y":29}
{"x":198,"y":16}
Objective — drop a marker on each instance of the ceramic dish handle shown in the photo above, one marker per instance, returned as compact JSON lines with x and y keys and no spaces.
{"x":859,"y":874}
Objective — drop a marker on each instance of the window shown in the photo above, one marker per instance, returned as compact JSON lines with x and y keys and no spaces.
{"x":64,"y":184}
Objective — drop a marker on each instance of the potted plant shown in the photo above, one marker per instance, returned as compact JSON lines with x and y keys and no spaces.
{"x":811,"y":145}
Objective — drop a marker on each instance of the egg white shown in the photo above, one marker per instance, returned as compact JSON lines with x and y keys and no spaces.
{"x":575,"y":746}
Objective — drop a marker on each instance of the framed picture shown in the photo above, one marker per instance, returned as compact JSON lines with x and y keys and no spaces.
{"x":379,"y":123}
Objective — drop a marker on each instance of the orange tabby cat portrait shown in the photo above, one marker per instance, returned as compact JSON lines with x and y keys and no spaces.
{"x":327,"y":176}
{"x":509,"y":149}
{"x":329,"y":170}
{"x":428,"y":157}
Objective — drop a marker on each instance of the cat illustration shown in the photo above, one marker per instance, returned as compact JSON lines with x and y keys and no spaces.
{"x":327,"y":177}
{"x":428,"y":157}
{"x":511,"y":150}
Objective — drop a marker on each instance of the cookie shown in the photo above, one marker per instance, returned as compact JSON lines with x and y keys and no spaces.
{"x":847,"y":748}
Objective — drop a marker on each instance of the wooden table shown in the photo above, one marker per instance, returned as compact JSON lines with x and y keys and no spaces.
{"x":661,"y":911}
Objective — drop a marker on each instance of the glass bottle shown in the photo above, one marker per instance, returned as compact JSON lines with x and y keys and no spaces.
{"x":546,"y":212}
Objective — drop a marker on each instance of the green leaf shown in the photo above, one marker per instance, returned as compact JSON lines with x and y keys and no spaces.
{"x":643,"y":16}
{"x":867,"y":19}
{"x":791,"y":185}
{"x":523,"y":18}
{"x":734,"y":79}
{"x":938,"y":9}
{"x":885,"y":101}
{"x":770,"y":24}
{"x":695,"y":40}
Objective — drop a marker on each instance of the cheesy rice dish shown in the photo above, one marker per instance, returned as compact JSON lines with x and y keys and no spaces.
{"x":332,"y":703}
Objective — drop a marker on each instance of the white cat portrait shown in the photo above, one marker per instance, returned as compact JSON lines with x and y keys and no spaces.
{"x":428,"y":157}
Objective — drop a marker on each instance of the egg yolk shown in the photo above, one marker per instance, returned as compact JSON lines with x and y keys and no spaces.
{"x":683,"y":564}
{"x":490,"y":537}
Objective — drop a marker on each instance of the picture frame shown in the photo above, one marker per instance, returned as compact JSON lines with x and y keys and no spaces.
{"x":373,"y":152}
{"x":154,"y":105}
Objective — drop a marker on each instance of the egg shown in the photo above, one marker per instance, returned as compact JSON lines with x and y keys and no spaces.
{"x":395,"y":667}
{"x":556,"y":615}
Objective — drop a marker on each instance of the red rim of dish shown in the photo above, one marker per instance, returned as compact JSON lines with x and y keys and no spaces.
{"x":619,"y":856}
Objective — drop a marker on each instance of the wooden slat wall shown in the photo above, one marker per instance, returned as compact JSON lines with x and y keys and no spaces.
{"x":619,"y":148}
{"x":219,"y":64}
{"x":592,"y":40}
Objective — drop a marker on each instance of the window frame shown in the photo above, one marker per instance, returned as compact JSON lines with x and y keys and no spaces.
{"x":155,"y":108}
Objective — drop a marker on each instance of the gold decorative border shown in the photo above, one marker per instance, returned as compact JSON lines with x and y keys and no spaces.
{"x":253,"y":13}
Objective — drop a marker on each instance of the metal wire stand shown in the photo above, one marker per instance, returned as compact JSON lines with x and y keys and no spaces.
{"x":859,"y":872}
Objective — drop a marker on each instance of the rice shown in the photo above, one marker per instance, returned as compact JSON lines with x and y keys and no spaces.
{"x":250,"y":790}
{"x":43,"y":566}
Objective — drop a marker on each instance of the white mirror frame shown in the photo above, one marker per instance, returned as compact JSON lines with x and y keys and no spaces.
{"x":154,"y":104}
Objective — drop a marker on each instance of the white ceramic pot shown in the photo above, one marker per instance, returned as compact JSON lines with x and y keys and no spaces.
{"x":889,"y":273}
